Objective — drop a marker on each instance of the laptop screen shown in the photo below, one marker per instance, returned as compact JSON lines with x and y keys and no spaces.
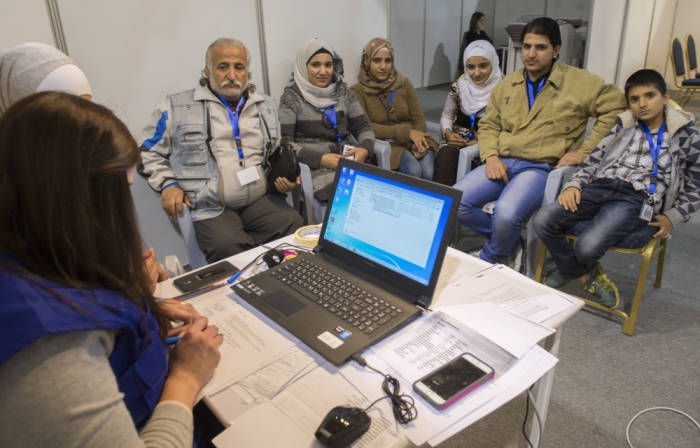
{"x":393,"y":224}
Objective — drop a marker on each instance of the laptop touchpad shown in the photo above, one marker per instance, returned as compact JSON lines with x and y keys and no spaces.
{"x":283,"y":302}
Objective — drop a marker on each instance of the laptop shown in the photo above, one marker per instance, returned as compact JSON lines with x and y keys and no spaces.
{"x":375,"y":268}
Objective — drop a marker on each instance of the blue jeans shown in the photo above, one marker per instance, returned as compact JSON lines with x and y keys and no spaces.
{"x":517,"y":201}
{"x":612,"y":205}
{"x":422,"y":168}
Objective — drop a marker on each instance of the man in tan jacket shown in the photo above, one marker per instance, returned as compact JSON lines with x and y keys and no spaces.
{"x":535,"y":121}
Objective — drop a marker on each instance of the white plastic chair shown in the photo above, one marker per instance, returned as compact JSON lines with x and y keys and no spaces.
{"x":315,"y":211}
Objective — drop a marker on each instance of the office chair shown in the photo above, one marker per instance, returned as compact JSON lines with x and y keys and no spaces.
{"x":687,"y":88}
{"x":314,"y":210}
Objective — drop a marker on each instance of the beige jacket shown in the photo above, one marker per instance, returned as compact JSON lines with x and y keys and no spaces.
{"x":556,"y":123}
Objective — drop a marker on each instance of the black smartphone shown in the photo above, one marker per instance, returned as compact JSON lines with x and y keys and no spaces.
{"x":205,"y":276}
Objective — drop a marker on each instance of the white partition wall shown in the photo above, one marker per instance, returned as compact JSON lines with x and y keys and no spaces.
{"x":407,"y":37}
{"x":635,"y":39}
{"x":660,"y":35}
{"x":135,"y":52}
{"x":442,"y":39}
{"x":346,"y":25}
{"x":24,"y":21}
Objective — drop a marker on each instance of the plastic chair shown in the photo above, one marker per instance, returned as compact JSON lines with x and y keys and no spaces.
{"x":687,"y":88}
{"x":315,"y":211}
{"x":640,"y":242}
{"x":555,"y":180}
{"x":691,"y":57}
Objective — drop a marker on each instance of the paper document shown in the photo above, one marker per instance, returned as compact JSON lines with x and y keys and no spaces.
{"x":457,"y":267}
{"x":434,"y":340}
{"x":510,"y":291}
{"x":269,"y":380}
{"x":515,"y":334}
{"x":297,"y":412}
{"x":249,"y":344}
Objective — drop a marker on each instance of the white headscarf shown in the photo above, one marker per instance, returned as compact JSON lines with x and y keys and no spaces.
{"x":320,"y":97}
{"x":473,"y":97}
{"x":33,"y":67}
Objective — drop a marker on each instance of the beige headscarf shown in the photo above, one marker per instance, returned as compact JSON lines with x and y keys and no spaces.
{"x":365,"y":76}
{"x":33,"y":67}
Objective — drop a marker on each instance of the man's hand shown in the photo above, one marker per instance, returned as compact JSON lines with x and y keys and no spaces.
{"x":419,"y":141}
{"x":171,"y":200}
{"x":664,"y":224}
{"x":574,"y":158}
{"x":360,"y":154}
{"x":154,"y":270}
{"x":495,"y":169}
{"x":330,"y":161}
{"x":454,"y":139}
{"x":283,"y":185}
{"x":570,"y":199}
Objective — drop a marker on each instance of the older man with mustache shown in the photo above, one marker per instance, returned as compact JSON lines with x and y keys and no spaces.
{"x":205,"y":148}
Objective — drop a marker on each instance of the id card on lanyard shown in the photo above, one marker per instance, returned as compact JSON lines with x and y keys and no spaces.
{"x":330,"y":114}
{"x":647,"y":211}
{"x":246,"y":175}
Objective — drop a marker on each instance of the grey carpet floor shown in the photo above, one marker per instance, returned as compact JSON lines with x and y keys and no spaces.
{"x":604,"y":377}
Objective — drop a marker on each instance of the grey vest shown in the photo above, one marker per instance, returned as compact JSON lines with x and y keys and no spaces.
{"x":192,"y":159}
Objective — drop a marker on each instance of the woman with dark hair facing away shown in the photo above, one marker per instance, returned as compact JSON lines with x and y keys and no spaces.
{"x":318,"y":111}
{"x":391,"y":104}
{"x":83,"y":360}
{"x":465,"y":105}
{"x":475,"y":32}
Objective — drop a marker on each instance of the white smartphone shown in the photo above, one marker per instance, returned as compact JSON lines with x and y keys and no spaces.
{"x":347,"y":148}
{"x":447,"y":384}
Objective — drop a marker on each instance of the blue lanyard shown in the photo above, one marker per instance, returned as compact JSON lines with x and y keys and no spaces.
{"x":388,"y":107}
{"x":531,"y":93}
{"x":234,"y":125}
{"x":472,"y":124}
{"x":654,"y":150}
{"x":330,"y":114}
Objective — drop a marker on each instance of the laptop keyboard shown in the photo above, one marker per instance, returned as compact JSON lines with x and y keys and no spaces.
{"x":359,"y":308}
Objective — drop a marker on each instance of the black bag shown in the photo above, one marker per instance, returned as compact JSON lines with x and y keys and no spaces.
{"x":283,"y":163}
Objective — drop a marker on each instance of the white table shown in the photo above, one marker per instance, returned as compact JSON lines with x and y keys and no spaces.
{"x":544,"y":390}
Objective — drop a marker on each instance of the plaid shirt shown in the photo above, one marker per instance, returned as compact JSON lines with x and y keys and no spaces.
{"x":635,"y":165}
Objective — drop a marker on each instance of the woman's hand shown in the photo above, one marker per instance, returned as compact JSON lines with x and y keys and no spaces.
{"x":360,"y":154}
{"x":496,"y":170}
{"x":454,"y":139}
{"x":154,"y":270}
{"x":417,"y":152}
{"x":192,"y":362}
{"x":180,"y":311}
{"x":419,"y":141}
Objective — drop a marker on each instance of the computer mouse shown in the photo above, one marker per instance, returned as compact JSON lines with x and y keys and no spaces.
{"x":342,"y":426}
{"x":273,"y":257}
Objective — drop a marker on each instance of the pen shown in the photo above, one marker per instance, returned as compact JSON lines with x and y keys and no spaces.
{"x":172,"y":341}
{"x":233,"y":278}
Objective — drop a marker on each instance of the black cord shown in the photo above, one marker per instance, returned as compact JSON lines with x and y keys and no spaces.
{"x":402,"y":405}
{"x":527,"y":410}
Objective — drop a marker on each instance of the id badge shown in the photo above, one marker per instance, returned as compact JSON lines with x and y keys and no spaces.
{"x":647,"y":212}
{"x":347,"y":148}
{"x":248,"y":175}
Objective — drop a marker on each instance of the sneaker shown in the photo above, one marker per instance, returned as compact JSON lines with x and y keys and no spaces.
{"x":555,"y":280}
{"x":476,"y":253}
{"x":515,"y":259}
{"x":600,"y":285}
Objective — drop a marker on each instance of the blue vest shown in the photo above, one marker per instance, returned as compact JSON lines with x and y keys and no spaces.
{"x":138,"y":360}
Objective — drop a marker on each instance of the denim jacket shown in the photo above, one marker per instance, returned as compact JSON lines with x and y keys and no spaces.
{"x":189,"y":142}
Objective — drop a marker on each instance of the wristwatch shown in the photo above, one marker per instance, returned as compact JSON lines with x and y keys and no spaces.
{"x":444,"y":134}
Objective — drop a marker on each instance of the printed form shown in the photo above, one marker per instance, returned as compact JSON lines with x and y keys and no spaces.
{"x":249,"y":343}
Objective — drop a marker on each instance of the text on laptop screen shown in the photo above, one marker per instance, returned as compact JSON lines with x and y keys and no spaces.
{"x":390,"y":223}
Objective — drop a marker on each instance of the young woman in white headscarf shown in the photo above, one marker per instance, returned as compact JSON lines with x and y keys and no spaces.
{"x":318,"y":112}
{"x":465,"y":105}
{"x":391,"y":104}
